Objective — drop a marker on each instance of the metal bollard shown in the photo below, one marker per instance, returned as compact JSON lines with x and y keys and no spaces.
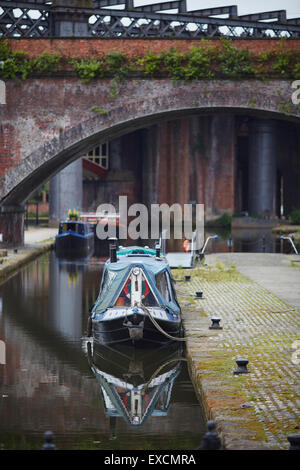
{"x":215,"y":324}
{"x":294,"y":440}
{"x":199,"y":294}
{"x":241,"y":367}
{"x":211,"y":440}
{"x":187,"y":278}
{"x":48,"y":441}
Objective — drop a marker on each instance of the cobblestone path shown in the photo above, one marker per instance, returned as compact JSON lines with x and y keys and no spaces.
{"x":255,"y":410}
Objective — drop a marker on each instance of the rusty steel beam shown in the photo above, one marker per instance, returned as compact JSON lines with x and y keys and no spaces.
{"x":158,"y":23}
{"x":230,"y":10}
{"x":279,"y":15}
{"x":173,"y":5}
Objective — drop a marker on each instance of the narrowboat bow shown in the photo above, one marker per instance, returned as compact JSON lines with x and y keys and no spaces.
{"x":75,"y":238}
{"x":137,"y":302}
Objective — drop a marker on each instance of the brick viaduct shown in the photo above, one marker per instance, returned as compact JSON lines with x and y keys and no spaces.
{"x":47,"y":123}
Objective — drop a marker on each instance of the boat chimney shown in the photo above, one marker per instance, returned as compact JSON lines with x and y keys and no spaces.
{"x":114,"y":241}
{"x":113,"y":253}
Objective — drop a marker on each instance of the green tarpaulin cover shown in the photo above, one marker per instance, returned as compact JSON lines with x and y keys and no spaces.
{"x":116,"y":274}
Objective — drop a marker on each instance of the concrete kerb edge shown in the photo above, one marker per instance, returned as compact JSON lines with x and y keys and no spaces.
{"x":11,"y":269}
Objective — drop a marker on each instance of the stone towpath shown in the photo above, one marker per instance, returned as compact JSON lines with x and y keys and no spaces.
{"x":36,"y":242}
{"x":259,"y":409}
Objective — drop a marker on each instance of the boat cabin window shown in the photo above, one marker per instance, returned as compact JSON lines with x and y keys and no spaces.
{"x":163,"y":286}
{"x":75,"y":227}
{"x":136,"y":290}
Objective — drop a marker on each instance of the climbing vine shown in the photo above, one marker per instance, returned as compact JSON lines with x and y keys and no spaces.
{"x":222,"y":60}
{"x":17,"y":65}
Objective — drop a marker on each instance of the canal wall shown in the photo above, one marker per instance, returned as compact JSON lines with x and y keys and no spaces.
{"x":11,"y":260}
{"x":259,"y":409}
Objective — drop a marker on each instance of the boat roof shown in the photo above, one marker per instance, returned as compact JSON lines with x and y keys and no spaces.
{"x":69,"y":221}
{"x":119,"y":271}
{"x":134,"y":256}
{"x":136,"y":250}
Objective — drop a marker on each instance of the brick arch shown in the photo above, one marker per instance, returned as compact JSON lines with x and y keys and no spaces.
{"x":150,"y":101}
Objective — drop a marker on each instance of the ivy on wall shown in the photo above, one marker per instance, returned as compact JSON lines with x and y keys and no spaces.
{"x":219,"y":61}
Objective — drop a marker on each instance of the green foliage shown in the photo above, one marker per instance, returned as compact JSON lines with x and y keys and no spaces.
{"x":295,"y":217}
{"x":46,"y":63}
{"x":114,"y":91}
{"x":5,"y":51}
{"x":223,"y":221}
{"x":296,"y":71}
{"x":98,"y":110}
{"x":173,"y":62}
{"x":235,"y":63}
{"x":17,"y":65}
{"x":151,"y":64}
{"x":116,"y":65}
{"x":200,"y":63}
{"x":88,"y":69}
{"x":206,"y":61}
{"x":283,"y":63}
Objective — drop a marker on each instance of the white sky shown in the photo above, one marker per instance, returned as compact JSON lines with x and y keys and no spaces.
{"x":292,"y":7}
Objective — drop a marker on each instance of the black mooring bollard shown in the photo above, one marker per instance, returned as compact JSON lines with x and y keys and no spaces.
{"x":48,"y":441}
{"x":215,"y":324}
{"x":187,"y":278}
{"x":199,"y":294}
{"x":241,"y":367}
{"x":294,"y":440}
{"x":211,"y":440}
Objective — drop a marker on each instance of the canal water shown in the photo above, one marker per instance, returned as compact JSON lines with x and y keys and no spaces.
{"x":240,"y":241}
{"x":52,"y":377}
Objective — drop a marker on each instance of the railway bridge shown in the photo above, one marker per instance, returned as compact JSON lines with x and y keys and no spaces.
{"x":230,"y":143}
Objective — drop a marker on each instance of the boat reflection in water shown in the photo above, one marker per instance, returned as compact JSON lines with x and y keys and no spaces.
{"x":135,"y":385}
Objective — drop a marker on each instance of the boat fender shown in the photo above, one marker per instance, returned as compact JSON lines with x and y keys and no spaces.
{"x":186,"y":245}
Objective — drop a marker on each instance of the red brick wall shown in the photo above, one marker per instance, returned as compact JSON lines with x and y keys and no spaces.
{"x":194,"y":160}
{"x":76,"y":47}
{"x":9,"y":149}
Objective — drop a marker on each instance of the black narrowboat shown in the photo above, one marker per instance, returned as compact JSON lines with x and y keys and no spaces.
{"x":75,"y":239}
{"x":137,"y":302}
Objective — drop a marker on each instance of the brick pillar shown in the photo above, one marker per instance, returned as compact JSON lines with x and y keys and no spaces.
{"x":212,"y":163}
{"x":262,"y":167}
{"x":66,"y":192}
{"x":12,"y":226}
{"x":191,"y":159}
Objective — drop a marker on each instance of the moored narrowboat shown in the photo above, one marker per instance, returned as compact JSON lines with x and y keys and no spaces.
{"x":137,"y":302}
{"x":75,"y":239}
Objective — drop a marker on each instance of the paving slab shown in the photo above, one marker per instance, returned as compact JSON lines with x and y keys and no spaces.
{"x":39,"y":234}
{"x":259,"y":409}
{"x":271,"y":270}
{"x":36,"y":241}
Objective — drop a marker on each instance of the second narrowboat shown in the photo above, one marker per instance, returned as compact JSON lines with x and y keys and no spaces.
{"x":75,"y":239}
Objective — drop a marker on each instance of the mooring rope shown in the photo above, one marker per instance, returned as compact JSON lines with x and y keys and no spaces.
{"x":175,"y":359}
{"x":173,"y":338}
